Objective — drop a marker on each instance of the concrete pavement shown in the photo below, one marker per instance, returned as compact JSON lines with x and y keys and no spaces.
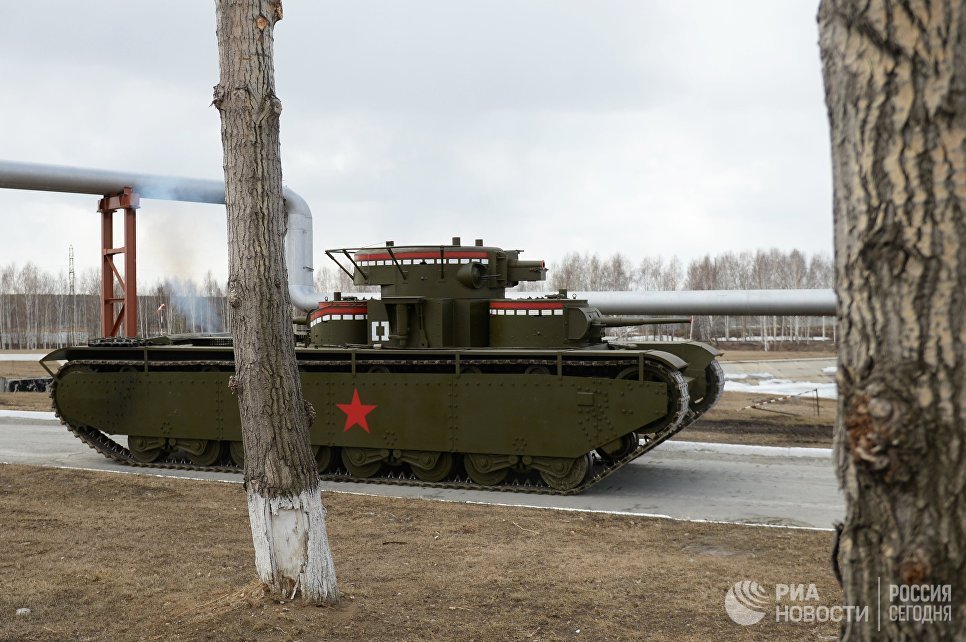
{"x":679,"y":480}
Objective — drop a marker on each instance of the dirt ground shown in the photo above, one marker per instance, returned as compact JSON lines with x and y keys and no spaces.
{"x":759,"y":355}
{"x":735,"y":419}
{"x":798,"y":421}
{"x":128,"y":557}
{"x":39,"y":401}
{"x":13,"y":369}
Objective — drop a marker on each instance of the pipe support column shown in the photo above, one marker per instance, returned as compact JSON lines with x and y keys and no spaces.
{"x":112,"y":319}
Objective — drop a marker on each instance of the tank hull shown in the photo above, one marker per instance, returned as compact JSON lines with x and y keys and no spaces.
{"x":517,"y":409}
{"x":499,"y":413}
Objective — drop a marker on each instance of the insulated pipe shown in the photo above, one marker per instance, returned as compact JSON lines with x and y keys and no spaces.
{"x":79,"y":180}
{"x":298,"y":247}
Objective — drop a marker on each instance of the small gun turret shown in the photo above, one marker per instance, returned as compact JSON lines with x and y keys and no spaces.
{"x":517,"y":270}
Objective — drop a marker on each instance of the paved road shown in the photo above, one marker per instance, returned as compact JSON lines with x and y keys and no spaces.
{"x":22,"y":356}
{"x":685,"y":481}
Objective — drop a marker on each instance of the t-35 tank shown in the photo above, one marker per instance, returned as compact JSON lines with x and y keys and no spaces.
{"x":443,"y":380}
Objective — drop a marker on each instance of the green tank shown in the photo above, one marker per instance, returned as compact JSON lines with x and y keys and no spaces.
{"x":443,"y":380}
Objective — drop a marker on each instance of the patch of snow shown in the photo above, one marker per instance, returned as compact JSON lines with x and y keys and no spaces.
{"x":783,"y":387}
{"x":831,"y":370}
{"x":742,"y":449}
{"x":752,"y":375}
{"x":756,"y":338}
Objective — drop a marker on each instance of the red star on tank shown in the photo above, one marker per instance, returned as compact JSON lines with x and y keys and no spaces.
{"x":355,"y":412}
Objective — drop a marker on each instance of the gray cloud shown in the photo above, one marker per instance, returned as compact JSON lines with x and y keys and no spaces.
{"x":651,"y":128}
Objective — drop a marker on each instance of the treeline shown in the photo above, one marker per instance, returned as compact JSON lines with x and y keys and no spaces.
{"x":760,"y":270}
{"x":38,"y":312}
{"x":728,"y":271}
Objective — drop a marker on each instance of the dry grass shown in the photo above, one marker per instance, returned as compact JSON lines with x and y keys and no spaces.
{"x":791,"y":422}
{"x":128,"y":557}
{"x":39,"y":401}
{"x":14,"y":369}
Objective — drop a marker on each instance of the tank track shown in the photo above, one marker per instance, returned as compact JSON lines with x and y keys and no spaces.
{"x":104,"y":445}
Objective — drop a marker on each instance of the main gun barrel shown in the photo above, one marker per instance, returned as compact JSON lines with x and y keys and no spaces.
{"x":623,"y":322}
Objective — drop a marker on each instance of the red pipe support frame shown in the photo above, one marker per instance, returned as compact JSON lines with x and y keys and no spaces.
{"x":127,"y":293}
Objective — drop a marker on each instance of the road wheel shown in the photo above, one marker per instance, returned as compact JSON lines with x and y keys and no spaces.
{"x":482,"y":470}
{"x":147,"y":449}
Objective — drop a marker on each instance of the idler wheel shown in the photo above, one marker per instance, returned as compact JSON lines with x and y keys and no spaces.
{"x":481,"y":470}
{"x":324,"y":457}
{"x":146,"y":449}
{"x":440,"y":470}
{"x":713,"y":385}
{"x":630,"y":374}
{"x":362,"y":462}
{"x":572,"y":475}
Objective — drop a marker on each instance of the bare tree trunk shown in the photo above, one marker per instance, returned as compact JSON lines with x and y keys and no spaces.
{"x":284,"y":500}
{"x":895,"y":81}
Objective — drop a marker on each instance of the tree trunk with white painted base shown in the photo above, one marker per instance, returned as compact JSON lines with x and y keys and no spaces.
{"x":292,"y":555}
{"x":895,"y":80}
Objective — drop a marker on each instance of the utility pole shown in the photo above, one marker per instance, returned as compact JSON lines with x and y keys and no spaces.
{"x":73,"y":294}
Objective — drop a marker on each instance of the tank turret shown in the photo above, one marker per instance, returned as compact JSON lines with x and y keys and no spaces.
{"x":454,"y":296}
{"x":431,"y":296}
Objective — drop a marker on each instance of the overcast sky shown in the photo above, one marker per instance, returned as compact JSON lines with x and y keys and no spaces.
{"x":651,"y":128}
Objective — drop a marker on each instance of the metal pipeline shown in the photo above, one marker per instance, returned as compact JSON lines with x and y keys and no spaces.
{"x":80,"y":180}
{"x":298,"y":247}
